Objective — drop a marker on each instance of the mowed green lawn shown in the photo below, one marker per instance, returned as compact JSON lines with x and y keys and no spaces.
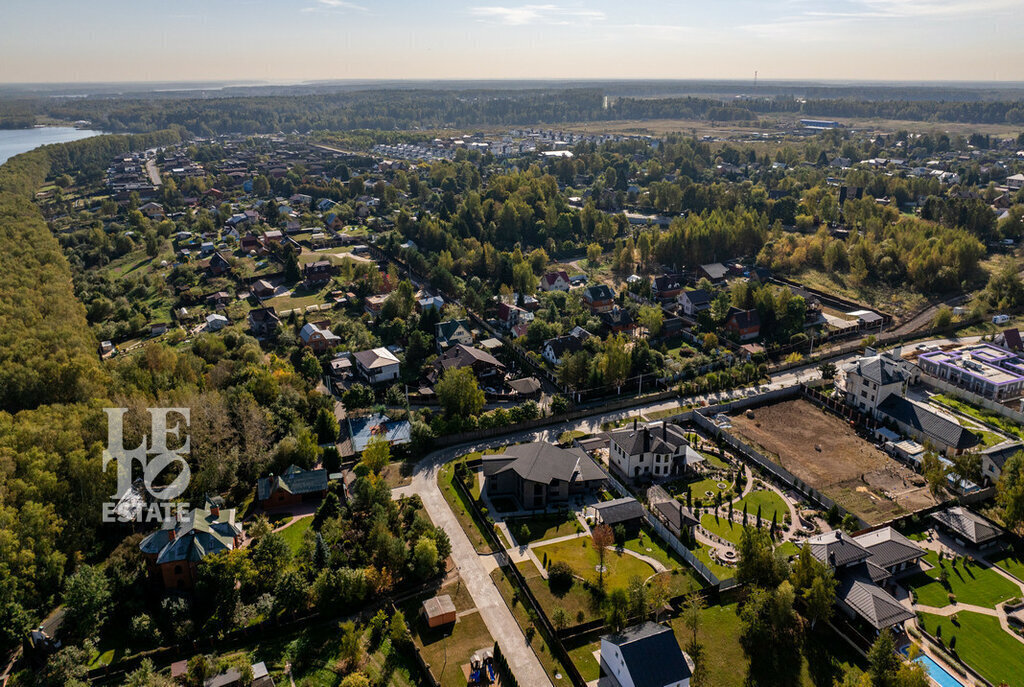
{"x":1012,"y":563}
{"x":972,"y":584}
{"x":770,"y":503}
{"x":719,"y":634}
{"x":294,"y":533}
{"x":542,"y":527}
{"x":982,"y":644}
{"x":581,"y":555}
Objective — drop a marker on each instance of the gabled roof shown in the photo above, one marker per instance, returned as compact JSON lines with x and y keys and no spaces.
{"x":715,"y":270}
{"x":619,"y":510}
{"x":599,"y":292}
{"x":652,"y":655}
{"x":375,"y":358}
{"x":544,"y":463}
{"x":744,"y":319}
{"x":199,"y":534}
{"x":881,"y":369}
{"x":563,"y":344}
{"x":934,"y":426}
{"x":461,"y":355}
{"x":888,"y":547}
{"x":309,"y":329}
{"x":678,"y":515}
{"x":872,"y":603}
{"x":836,"y":549}
{"x":668,"y":282}
{"x":698,"y":297}
{"x":550,"y":278}
{"x":653,"y":437}
{"x":525,"y":386}
{"x":971,"y":527}
{"x":445,"y":330}
{"x":295,"y":480}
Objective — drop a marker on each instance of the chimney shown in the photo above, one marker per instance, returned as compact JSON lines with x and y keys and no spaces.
{"x":839,"y":535}
{"x":171,"y":534}
{"x":664,"y":431}
{"x":634,"y":424}
{"x":215,"y":510}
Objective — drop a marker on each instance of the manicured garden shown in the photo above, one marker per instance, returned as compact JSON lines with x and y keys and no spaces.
{"x":543,"y":527}
{"x":970,"y":583}
{"x":581,"y":555}
{"x":982,"y":644}
{"x":446,"y":650}
{"x":770,"y":503}
{"x":295,"y":532}
{"x":700,"y":491}
{"x":1011,"y":562}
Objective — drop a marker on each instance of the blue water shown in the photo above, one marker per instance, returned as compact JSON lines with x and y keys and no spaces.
{"x":15,"y":141}
{"x":936,"y":672}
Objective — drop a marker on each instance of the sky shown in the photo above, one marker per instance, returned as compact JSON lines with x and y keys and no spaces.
{"x":300,"y":40}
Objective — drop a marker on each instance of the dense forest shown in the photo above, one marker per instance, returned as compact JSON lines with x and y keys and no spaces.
{"x":53,"y":388}
{"x":405,"y":109}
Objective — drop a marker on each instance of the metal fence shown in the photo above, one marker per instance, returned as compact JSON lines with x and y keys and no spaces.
{"x":766,"y":464}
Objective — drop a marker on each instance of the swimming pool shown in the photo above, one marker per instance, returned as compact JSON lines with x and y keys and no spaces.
{"x":937,"y":673}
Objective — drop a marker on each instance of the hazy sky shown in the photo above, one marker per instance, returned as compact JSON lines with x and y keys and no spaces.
{"x":145,"y":40}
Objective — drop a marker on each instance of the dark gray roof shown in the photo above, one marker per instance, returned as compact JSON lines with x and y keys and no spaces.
{"x":888,"y":547}
{"x":744,"y":318}
{"x":561,"y":344}
{"x":678,"y":515}
{"x":715,"y":270}
{"x":525,"y":386}
{"x":871,"y":602}
{"x":880,"y":369}
{"x":837,"y":549}
{"x":445,"y":330}
{"x":933,"y":426}
{"x":698,"y":297}
{"x":662,"y":438}
{"x":971,"y":527}
{"x":543,"y":462}
{"x":295,"y":480}
{"x":599,"y":292}
{"x":619,"y":510}
{"x":652,"y":655}
{"x":461,"y":355}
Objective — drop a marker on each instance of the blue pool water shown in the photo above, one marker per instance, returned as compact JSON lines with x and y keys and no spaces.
{"x":936,"y":672}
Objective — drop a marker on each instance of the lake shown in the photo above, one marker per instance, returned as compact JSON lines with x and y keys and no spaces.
{"x":15,"y":141}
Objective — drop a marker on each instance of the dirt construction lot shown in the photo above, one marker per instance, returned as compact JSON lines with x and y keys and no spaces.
{"x":825,"y":452}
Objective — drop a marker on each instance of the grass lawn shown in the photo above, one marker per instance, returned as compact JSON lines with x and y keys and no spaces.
{"x":567,"y":437}
{"x":293,"y":534}
{"x":461,"y":509}
{"x":699,"y":489}
{"x":446,"y":650}
{"x":720,"y":571}
{"x":719,"y":633}
{"x":577,"y":601}
{"x":723,"y":527}
{"x":982,"y":644}
{"x":716,"y":462}
{"x":972,"y":584}
{"x":581,"y":555}
{"x":297,"y":299}
{"x":983,"y":414}
{"x":583,"y":657}
{"x":787,"y":549}
{"x":769,"y":502}
{"x":1012,"y":563}
{"x":543,"y":527}
{"x":680,"y":576}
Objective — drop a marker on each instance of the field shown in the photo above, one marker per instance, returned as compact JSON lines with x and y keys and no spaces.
{"x":982,"y":644}
{"x":824,"y":452}
{"x":582,"y":557}
{"x":970,"y":584}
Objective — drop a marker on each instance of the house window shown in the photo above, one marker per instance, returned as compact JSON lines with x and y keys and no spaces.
{"x":177,"y":570}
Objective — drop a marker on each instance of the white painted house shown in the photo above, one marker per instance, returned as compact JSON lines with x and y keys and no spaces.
{"x":653,"y":451}
{"x":645,"y":655}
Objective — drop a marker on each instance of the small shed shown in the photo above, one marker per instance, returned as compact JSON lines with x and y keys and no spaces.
{"x":439,"y":610}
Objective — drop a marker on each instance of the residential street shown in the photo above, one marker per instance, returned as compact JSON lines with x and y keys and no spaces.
{"x":474,"y":568}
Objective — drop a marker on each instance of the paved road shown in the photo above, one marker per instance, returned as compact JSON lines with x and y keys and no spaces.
{"x":154,"y":173}
{"x":474,"y":568}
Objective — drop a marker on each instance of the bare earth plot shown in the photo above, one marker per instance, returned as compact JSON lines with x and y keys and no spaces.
{"x":825,"y":452}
